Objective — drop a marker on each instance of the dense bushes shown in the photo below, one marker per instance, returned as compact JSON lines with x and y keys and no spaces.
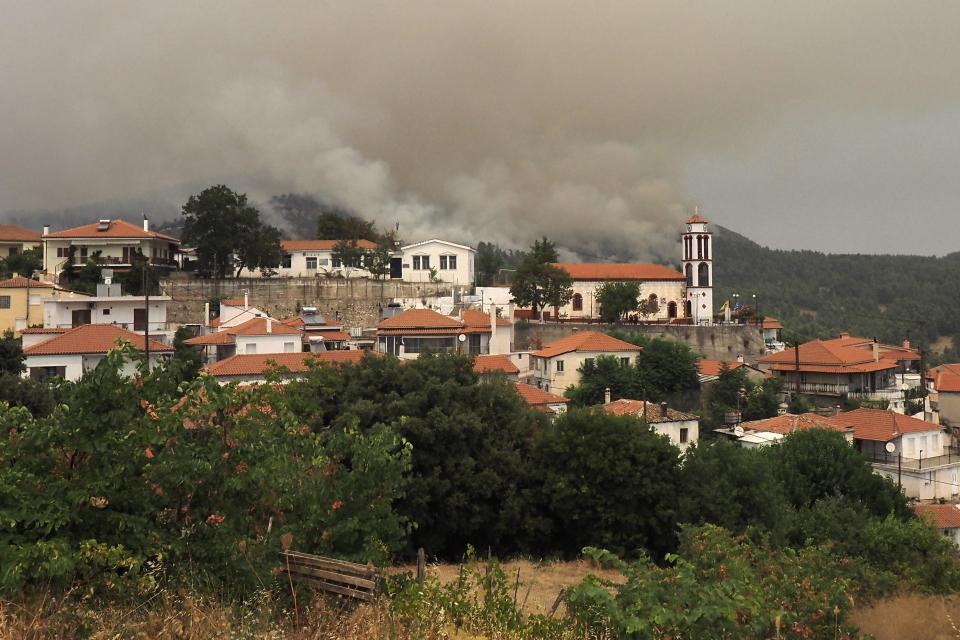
{"x":126,"y":481}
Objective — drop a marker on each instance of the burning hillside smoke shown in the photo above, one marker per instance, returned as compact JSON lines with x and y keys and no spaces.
{"x":486,"y":120}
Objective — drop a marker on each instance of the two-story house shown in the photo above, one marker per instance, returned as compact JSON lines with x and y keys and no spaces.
{"x":413,"y":331}
{"x":15,"y":239}
{"x":110,"y":243}
{"x":943,"y":387}
{"x":828,"y":371}
{"x":557,"y":365}
{"x":68,"y":353}
{"x":255,"y":336}
{"x":916,"y":454}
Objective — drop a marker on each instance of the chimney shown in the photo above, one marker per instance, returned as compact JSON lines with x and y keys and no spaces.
{"x":876,"y":350}
{"x":606,"y":396}
{"x":905,"y":344}
{"x":46,"y":229}
{"x":269,"y":324}
{"x":493,"y":319}
{"x":206,"y":314}
{"x":246,"y":299}
{"x":146,"y":223}
{"x":403,"y":350}
{"x":740,"y":358}
{"x":844,"y":334}
{"x":663,"y":409}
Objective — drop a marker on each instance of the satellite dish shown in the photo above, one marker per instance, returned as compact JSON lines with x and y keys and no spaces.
{"x":891,"y":448}
{"x":462,"y":338}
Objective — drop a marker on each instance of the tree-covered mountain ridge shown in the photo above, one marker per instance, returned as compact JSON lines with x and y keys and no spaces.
{"x":814,"y":294}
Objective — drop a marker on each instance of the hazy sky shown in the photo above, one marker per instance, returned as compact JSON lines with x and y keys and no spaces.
{"x":824,"y":125}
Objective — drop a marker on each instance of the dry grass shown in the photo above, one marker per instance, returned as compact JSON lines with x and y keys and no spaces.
{"x":911,"y":617}
{"x":540,"y":582}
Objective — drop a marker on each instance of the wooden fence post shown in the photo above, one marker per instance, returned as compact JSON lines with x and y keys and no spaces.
{"x":421,"y":566}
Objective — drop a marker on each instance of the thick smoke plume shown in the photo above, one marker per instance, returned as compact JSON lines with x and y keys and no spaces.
{"x":487,"y":120}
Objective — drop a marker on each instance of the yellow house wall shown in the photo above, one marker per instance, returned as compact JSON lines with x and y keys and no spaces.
{"x":15,"y":318}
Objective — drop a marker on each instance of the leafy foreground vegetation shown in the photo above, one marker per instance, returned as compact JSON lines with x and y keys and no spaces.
{"x":157,"y":504}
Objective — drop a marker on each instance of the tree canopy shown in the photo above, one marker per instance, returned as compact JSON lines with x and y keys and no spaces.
{"x":537,"y":282}
{"x":227,"y":233}
{"x":617,"y":299}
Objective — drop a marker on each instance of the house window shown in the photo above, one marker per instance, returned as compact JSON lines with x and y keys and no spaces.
{"x":448,"y":262}
{"x":625,"y":362}
{"x":288,"y":347}
{"x":14,"y":251}
{"x":311,"y":264}
{"x":106,"y":312}
{"x":421,"y":263}
{"x":337,"y":263}
{"x":287,"y":261}
{"x":559,"y":366}
{"x":684,"y":434}
{"x":588,"y":362}
{"x":577,"y":302}
{"x":63,"y":252}
{"x":83,"y":252}
{"x":4,"y":302}
{"x":251,"y":348}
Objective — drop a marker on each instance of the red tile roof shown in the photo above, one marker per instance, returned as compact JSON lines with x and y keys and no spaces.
{"x":787,"y":424}
{"x":945,"y":377}
{"x":654,"y":412}
{"x":488,"y":364}
{"x":117,"y":229}
{"x":941,"y":516}
{"x":536,"y":397}
{"x":828,"y":356}
{"x":42,"y":330}
{"x":771,"y":323}
{"x":696,"y":218}
{"x":479,"y":319}
{"x":427,"y":322}
{"x":22,"y":283}
{"x":592,"y":341}
{"x":16,"y":233}
{"x":92,"y":338}
{"x":619,"y":271}
{"x":332,"y":335}
{"x":879,"y":425}
{"x":259,"y":363}
{"x":713,"y":367}
{"x":252,"y":327}
{"x":320,"y":245}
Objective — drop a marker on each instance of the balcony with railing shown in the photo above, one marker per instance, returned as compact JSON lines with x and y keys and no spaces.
{"x":890,"y":394}
{"x":951,"y":455}
{"x":816,"y":388}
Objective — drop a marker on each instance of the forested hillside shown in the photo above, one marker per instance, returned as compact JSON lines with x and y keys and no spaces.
{"x":815,"y":294}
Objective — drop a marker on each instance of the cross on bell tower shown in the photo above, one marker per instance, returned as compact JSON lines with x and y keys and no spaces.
{"x":698,"y":268}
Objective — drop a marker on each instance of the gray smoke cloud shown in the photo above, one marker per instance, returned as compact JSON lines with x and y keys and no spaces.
{"x":486,"y":120}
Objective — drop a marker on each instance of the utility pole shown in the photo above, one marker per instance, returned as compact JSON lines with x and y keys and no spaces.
{"x":146,"y":313}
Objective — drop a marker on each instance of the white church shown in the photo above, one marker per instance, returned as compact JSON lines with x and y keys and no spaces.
{"x":681,"y":297}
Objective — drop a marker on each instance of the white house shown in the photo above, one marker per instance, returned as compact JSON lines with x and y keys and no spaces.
{"x":68,"y":354}
{"x":15,"y":239}
{"x":914,"y":453}
{"x":111,"y":243}
{"x":255,"y":336}
{"x":789,"y":423}
{"x":682,"y":429}
{"x":435,"y":260}
{"x":944,"y":517}
{"x":311,"y":258}
{"x":66,"y":309}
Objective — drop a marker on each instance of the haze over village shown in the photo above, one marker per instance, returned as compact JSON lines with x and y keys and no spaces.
{"x":479,"y":320}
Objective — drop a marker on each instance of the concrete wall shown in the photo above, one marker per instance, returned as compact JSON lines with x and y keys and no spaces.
{"x":718,"y":342}
{"x":352,"y":303}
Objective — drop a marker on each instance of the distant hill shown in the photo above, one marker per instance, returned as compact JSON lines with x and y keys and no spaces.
{"x":890,"y":297}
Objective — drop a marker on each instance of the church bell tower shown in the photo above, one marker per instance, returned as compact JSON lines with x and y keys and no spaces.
{"x":698,"y":268}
